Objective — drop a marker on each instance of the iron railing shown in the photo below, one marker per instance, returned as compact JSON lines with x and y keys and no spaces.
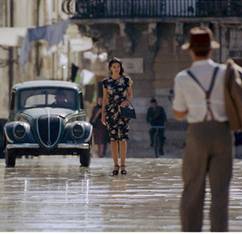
{"x":87,"y":9}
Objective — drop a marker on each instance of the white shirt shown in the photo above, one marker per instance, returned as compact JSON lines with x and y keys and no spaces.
{"x":190,"y":97}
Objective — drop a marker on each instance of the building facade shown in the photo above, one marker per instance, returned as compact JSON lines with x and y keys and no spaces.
{"x":42,"y":64}
{"x":147,"y":35}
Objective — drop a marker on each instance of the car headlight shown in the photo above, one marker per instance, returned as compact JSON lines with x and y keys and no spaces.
{"x":77,"y":131}
{"x":19,"y":131}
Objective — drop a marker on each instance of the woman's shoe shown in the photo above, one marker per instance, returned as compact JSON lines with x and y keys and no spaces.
{"x":115,"y":170}
{"x":123,"y":170}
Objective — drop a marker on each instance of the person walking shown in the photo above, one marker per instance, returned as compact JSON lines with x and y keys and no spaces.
{"x":199,"y":97}
{"x":156,"y":117}
{"x":117,"y":91}
{"x":100,"y":132}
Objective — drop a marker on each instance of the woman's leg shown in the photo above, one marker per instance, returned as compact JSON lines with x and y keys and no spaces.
{"x":101,"y":150}
{"x":114,"y":149}
{"x":123,"y":151}
{"x":104,"y":149}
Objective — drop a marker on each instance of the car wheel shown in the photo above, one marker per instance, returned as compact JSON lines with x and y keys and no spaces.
{"x":85,"y":157}
{"x":10,"y":158}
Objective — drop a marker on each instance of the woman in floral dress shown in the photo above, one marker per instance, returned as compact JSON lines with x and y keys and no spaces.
{"x":117,"y":91}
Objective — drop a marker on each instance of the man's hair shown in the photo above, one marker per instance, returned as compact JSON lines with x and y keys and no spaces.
{"x":201,"y":53}
{"x":59,"y":92}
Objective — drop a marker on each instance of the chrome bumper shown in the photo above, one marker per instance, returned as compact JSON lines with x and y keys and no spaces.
{"x":59,"y":146}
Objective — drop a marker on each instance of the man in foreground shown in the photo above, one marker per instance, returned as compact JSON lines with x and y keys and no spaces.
{"x":199,"y":97}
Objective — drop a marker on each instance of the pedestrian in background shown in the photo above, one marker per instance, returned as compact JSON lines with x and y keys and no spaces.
{"x":100,"y":132}
{"x":199,"y":96}
{"x":238,"y":144}
{"x":117,"y":91}
{"x":156,"y":117}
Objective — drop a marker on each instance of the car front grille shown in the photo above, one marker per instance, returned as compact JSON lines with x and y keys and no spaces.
{"x":49,"y":130}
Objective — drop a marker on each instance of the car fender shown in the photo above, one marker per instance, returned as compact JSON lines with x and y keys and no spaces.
{"x":9,"y":132}
{"x":87,"y":127}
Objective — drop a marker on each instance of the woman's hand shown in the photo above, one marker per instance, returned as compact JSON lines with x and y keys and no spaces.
{"x":125,"y":103}
{"x":103,"y":119}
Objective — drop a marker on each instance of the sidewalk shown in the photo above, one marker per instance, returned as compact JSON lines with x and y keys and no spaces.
{"x":55,"y":194}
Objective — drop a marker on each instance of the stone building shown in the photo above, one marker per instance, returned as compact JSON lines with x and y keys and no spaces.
{"x":16,"y":15}
{"x":147,"y":35}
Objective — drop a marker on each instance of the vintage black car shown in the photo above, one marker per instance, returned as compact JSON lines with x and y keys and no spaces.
{"x":47,"y":118}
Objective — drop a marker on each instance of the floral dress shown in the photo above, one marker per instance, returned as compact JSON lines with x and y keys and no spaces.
{"x":117,"y":92}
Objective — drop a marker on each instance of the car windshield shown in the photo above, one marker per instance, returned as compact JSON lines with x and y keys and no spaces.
{"x":47,"y":97}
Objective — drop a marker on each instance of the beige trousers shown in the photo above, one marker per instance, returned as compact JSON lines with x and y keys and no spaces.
{"x":208,"y":153}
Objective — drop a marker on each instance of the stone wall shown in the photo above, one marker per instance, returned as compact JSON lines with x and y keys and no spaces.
{"x":155,"y":44}
{"x":2,"y":13}
{"x":4,"y":93}
{"x":158,"y":44}
{"x":25,"y":16}
{"x":3,"y":67}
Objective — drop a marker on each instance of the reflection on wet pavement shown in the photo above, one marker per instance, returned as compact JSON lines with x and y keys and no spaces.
{"x":55,"y":194}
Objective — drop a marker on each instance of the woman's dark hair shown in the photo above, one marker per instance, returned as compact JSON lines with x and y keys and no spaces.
{"x":116,"y":60}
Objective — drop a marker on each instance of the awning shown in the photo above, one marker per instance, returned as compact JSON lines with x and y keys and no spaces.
{"x":11,"y":36}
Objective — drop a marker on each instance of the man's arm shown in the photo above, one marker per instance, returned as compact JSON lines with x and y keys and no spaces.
{"x":180,"y":108}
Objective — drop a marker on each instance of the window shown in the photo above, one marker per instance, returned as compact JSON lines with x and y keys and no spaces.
{"x":48,"y":97}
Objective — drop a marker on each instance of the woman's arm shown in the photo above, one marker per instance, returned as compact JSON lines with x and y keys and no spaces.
{"x":129,"y":95}
{"x":104,"y":103}
{"x":97,"y":115}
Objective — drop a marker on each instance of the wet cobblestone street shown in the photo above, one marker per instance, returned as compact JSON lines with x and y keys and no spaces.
{"x":55,"y":194}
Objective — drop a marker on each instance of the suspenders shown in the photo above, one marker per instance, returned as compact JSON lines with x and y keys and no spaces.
{"x":207,"y":92}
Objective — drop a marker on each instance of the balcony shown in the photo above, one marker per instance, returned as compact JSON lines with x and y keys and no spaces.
{"x":129,"y":9}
